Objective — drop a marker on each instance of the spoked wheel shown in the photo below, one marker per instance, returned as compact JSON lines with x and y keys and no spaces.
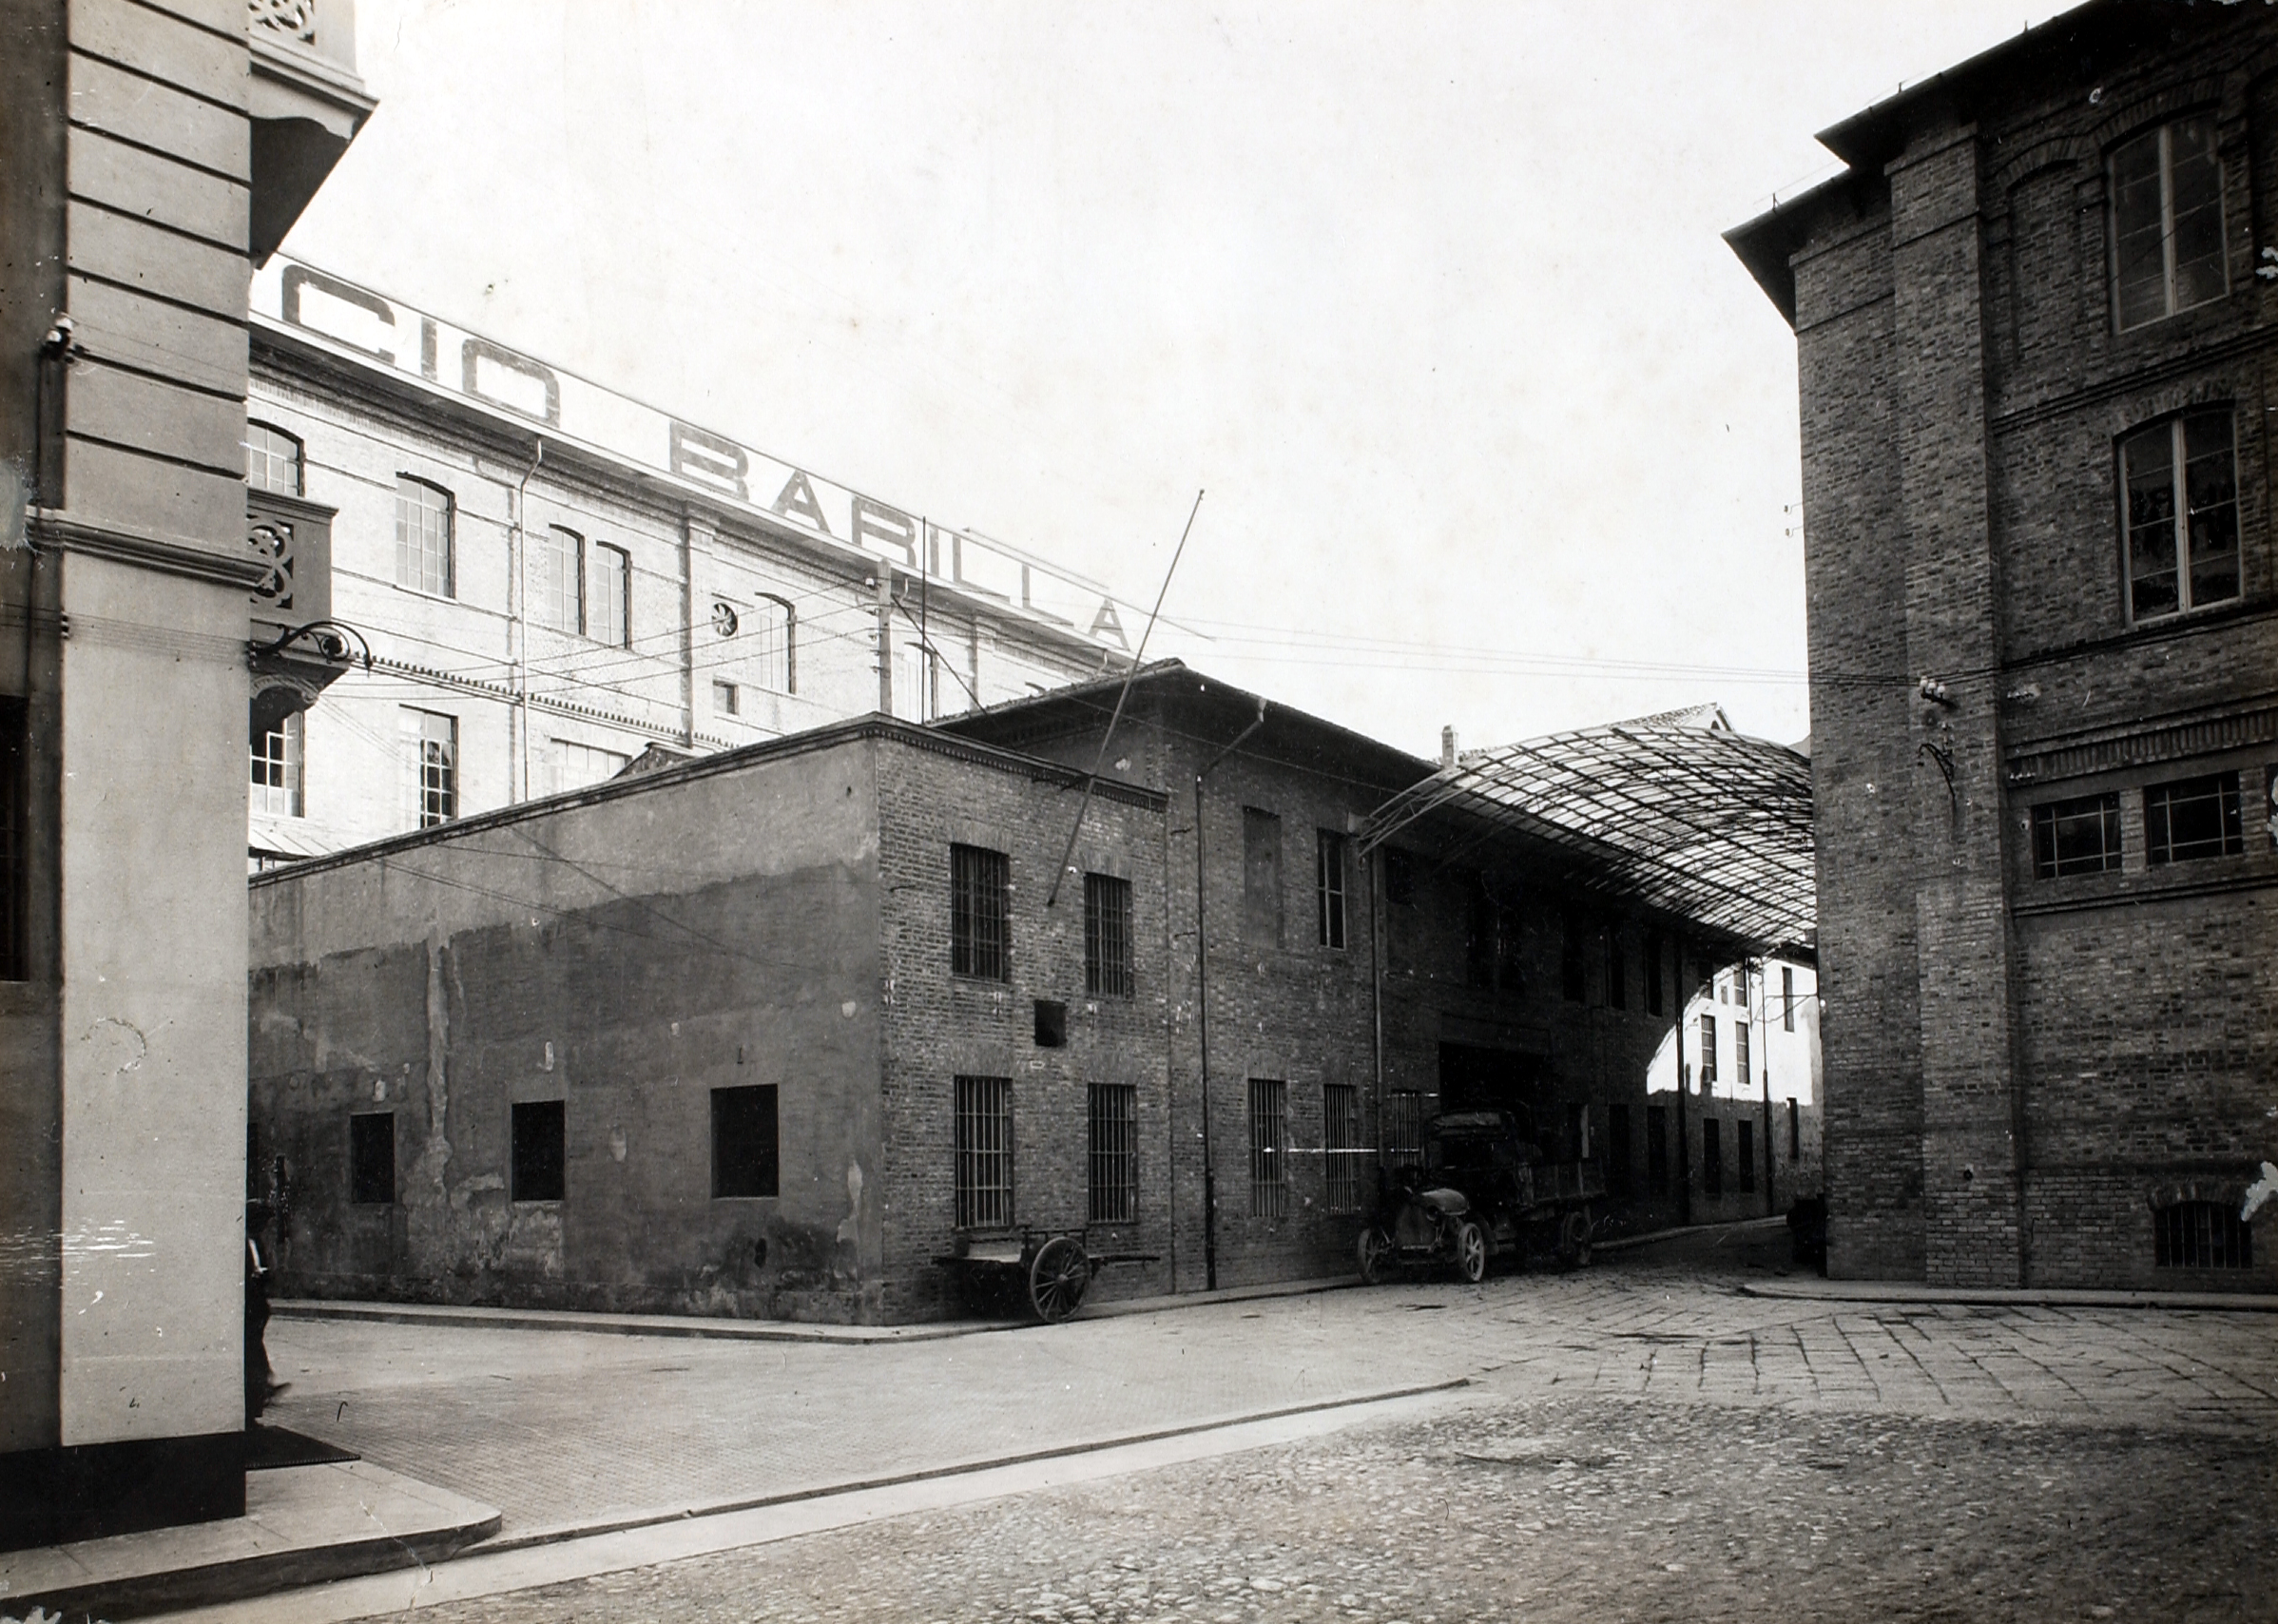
{"x":1375,"y":1255}
{"x":1573,"y":1239}
{"x":1471,"y":1252}
{"x":1059,"y":1277}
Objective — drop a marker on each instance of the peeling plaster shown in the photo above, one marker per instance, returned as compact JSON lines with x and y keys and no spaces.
{"x":119,"y":1039}
{"x":2261,"y":1191}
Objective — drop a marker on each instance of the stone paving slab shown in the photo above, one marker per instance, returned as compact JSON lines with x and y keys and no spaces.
{"x":303,"y":1525}
{"x":2022,"y":1296}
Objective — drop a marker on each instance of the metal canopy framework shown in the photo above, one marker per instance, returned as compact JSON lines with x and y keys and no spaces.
{"x":1696,"y":822}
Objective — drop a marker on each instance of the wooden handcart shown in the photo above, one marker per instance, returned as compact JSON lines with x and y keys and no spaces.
{"x":1052,"y":1269}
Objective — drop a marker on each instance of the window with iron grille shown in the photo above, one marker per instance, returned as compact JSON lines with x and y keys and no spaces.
{"x":1269,"y":1149}
{"x":272,"y":458}
{"x":276,"y":766}
{"x":2182,"y":514}
{"x":1745,"y":1131}
{"x":372,"y":1159}
{"x":1108,"y":936}
{"x":2201,"y":1234}
{"x":1403,"y":1128}
{"x":423,"y":537}
{"x":2193,"y":818}
{"x":984,"y":1153}
{"x":1573,"y":967}
{"x":1329,"y":884}
{"x":979,"y":909}
{"x":608,"y":595}
{"x":1707,"y":1068}
{"x":2076,"y":837}
{"x":2167,"y":222}
{"x":430,"y":743}
{"x":1341,"y":1145}
{"x":1113,"y":1159}
{"x":557,"y":575}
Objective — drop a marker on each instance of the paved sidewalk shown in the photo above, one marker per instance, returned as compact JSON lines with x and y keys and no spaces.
{"x":1812,"y":1289}
{"x":303,"y":1525}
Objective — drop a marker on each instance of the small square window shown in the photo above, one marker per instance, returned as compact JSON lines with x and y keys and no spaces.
{"x":1051,"y":1024}
{"x":725,"y":700}
{"x":2193,"y":818}
{"x":540,"y":1156}
{"x":2076,"y":837}
{"x":372,"y":1159}
{"x":743,"y":1142}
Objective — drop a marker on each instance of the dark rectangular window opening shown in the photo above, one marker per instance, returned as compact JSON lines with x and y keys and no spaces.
{"x":1573,"y":968}
{"x":1340,"y":1146}
{"x":980,"y":913}
{"x":1113,"y":1155}
{"x":744,"y":1148}
{"x":1107,"y":970}
{"x":1400,"y":877}
{"x":1261,"y":878}
{"x":15,"y":853}
{"x":1706,"y":1069}
{"x":1620,"y":1172}
{"x":1746,"y":1133}
{"x":1051,"y":1024}
{"x":1656,"y":1149}
{"x":1654,"y":967}
{"x":1788,"y":999}
{"x":1329,"y":884}
{"x":1269,"y":1149}
{"x":1795,"y":1132}
{"x":2201,"y":1234}
{"x":1618,"y":971}
{"x":1713,"y":1156}
{"x":2193,"y":818}
{"x":540,"y":1152}
{"x":372,"y":1159}
{"x":984,"y":1153}
{"x":2076,"y":837}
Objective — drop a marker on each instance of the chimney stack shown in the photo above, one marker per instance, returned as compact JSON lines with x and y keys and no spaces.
{"x":1447,"y":747}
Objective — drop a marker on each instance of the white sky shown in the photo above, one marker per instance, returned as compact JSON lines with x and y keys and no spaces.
{"x":1429,"y":297}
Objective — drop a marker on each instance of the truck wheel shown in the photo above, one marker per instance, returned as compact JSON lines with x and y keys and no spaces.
{"x":1471,"y":1252}
{"x":1574,"y":1240}
{"x":1375,"y":1255}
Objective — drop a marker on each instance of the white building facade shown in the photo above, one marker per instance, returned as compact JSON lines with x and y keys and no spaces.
{"x":1746,"y":1139}
{"x":552,"y":579}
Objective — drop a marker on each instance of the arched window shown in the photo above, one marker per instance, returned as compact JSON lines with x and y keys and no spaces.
{"x":423,"y":515}
{"x":557,"y":579}
{"x":2167,"y":222}
{"x":774,"y":664}
{"x":272,"y":458}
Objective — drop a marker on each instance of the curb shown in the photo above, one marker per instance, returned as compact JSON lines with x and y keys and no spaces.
{"x":1902,"y":1291}
{"x":561,"y":1532}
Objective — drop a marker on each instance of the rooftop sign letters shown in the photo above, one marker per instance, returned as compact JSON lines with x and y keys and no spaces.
{"x":355,"y":321}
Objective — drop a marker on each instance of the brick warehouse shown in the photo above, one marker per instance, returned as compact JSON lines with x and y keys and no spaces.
{"x":2033,"y":323}
{"x":505,"y":1058}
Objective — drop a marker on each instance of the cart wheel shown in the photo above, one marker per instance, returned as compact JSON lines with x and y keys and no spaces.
{"x":1573,"y":1239}
{"x":1471,"y":1252}
{"x":1059,"y":1278}
{"x":1376,"y":1254}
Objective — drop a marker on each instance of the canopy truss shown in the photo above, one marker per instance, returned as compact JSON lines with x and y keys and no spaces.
{"x":1696,"y":822}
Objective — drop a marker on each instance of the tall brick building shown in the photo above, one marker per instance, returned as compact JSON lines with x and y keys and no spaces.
{"x":2034,"y":326}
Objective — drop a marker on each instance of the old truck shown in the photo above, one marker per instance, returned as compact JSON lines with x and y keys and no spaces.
{"x":1484,"y":1189}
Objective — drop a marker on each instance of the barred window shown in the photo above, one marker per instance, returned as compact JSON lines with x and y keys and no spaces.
{"x":981,"y":906}
{"x":557,"y":572}
{"x":2201,"y":1234}
{"x":423,"y":515}
{"x":1269,"y":1149}
{"x":2193,"y":818}
{"x":2182,"y":514}
{"x":431,"y":747}
{"x":1403,"y":1128}
{"x":1341,"y":1145}
{"x":2167,"y":222}
{"x":984,"y":1153}
{"x":1108,"y":936}
{"x":275,"y":759}
{"x":272,"y":458}
{"x":1329,"y":884}
{"x":2076,"y":837}
{"x":1113,"y":1158}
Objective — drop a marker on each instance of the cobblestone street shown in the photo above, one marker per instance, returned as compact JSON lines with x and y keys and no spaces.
{"x":1641,"y":1440}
